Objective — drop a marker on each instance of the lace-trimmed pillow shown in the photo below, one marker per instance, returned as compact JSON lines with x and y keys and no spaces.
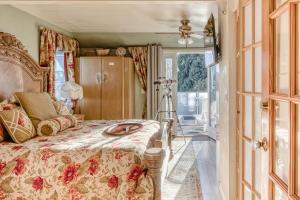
{"x":17,"y":124}
{"x":53,"y":126}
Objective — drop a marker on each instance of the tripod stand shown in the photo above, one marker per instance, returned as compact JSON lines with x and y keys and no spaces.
{"x":170,"y":106}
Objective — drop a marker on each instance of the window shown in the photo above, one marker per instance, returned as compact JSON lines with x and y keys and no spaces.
{"x":169,"y":68}
{"x":59,"y":74}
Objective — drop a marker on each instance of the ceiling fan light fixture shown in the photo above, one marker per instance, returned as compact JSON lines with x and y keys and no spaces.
{"x":182,"y":41}
{"x":189,"y":40}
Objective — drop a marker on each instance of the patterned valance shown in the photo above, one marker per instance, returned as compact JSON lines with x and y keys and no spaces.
{"x":65,"y":43}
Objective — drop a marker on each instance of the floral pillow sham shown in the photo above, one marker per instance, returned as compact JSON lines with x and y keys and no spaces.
{"x":53,"y":126}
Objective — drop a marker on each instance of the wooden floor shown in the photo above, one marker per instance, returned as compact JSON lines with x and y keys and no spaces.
{"x":205,"y":150}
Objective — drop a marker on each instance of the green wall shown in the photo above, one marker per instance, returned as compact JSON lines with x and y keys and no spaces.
{"x":25,"y":27}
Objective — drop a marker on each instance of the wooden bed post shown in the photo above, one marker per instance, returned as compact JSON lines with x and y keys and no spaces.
{"x":154,"y":158}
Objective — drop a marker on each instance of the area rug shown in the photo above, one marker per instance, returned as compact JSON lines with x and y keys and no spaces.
{"x":183,"y":180}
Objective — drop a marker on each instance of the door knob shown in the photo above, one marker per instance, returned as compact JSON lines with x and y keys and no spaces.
{"x":264,"y":105}
{"x":261,"y":144}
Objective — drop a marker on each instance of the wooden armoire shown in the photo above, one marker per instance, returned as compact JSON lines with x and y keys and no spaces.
{"x":108,"y":87}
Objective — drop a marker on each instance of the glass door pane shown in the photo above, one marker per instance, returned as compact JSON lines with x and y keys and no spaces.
{"x":282,"y":35}
{"x":247,"y":194}
{"x":258,"y":20}
{"x":258,"y":136}
{"x":248,"y":70}
{"x":258,"y":70}
{"x":279,"y":194}
{"x":248,"y":116}
{"x":281,"y":134}
{"x":257,"y":118}
{"x":248,"y":25}
{"x":248,"y":162}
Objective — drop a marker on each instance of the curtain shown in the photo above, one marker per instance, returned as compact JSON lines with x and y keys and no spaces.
{"x":69,"y":66}
{"x":47,"y":56}
{"x":50,"y":42}
{"x":154,"y":68}
{"x":147,"y":62}
{"x":140,"y":60}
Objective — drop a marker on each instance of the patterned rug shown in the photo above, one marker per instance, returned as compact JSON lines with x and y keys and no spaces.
{"x":182,"y":182}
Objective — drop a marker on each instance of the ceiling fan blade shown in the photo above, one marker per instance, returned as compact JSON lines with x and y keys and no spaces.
{"x":197,"y":36}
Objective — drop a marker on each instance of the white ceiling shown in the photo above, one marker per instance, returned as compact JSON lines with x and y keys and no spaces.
{"x":122,"y":16}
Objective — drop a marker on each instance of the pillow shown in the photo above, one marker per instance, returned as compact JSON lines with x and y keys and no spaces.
{"x":61,"y":108}
{"x":37,"y":105}
{"x":55,"y":125}
{"x":17,"y":124}
{"x":4,"y":105}
{"x":3,"y":134}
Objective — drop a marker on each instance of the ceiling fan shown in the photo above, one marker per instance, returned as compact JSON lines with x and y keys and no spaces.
{"x":186,"y":34}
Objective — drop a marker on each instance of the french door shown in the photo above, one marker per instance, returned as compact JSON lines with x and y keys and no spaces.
{"x":284,"y":99}
{"x":249,"y":97}
{"x":268,"y":96}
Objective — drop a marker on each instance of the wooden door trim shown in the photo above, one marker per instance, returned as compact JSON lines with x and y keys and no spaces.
{"x":280,"y":10}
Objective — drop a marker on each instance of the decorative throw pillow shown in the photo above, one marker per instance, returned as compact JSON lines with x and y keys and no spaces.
{"x":8,"y":106}
{"x":55,"y":125}
{"x":38,"y":106}
{"x":2,"y":133}
{"x":5,"y":105}
{"x":17,"y":124}
{"x":61,"y":108}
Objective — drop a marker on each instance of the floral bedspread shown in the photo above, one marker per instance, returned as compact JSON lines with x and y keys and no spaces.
{"x":79,"y":163}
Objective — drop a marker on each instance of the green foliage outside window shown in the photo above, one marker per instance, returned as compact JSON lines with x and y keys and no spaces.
{"x":192,"y":74}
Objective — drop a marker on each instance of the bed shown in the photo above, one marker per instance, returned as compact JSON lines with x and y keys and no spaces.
{"x":82,"y":162}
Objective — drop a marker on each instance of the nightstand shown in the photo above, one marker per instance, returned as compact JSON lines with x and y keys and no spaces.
{"x":79,"y":117}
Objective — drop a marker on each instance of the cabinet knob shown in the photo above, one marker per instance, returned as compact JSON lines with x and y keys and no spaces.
{"x":104,"y":77}
{"x":98,"y":78}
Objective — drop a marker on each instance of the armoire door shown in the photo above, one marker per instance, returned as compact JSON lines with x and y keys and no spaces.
{"x":129,"y":89}
{"x":112,"y":88}
{"x":90,"y":80}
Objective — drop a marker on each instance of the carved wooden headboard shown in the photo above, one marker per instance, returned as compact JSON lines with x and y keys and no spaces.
{"x":18,"y":71}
